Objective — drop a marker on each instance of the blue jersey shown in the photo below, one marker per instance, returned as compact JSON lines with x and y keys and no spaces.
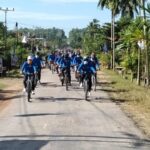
{"x":95,"y":61}
{"x":51,"y":57}
{"x":65,"y":63}
{"x":86,"y":69}
{"x":57,"y":58}
{"x":27,"y":68}
{"x":37,"y":63}
{"x":77,"y":60}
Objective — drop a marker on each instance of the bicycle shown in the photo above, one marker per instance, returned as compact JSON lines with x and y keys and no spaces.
{"x":94,"y":81}
{"x":52,"y":67}
{"x":36,"y":79}
{"x":67,"y":78}
{"x":29,"y":86}
{"x":86,"y":83}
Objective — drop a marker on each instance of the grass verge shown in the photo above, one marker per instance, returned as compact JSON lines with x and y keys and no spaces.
{"x":2,"y":85}
{"x":133,"y":99}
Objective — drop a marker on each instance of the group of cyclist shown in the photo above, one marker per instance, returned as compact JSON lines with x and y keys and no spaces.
{"x":62,"y":61}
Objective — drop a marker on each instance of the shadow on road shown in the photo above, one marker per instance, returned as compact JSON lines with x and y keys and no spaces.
{"x":40,"y":114}
{"x":22,"y":144}
{"x":4,"y":98}
{"x":129,"y":140}
{"x":50,"y":84}
{"x":53,"y":99}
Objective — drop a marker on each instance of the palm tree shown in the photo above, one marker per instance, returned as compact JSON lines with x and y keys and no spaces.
{"x":113,"y":6}
{"x":129,"y":7}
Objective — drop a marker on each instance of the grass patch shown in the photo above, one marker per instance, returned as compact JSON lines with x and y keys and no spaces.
{"x":2,"y":85}
{"x":15,"y":73}
{"x":134,"y":99}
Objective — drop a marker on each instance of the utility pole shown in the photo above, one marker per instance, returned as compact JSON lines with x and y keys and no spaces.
{"x":5,"y":36}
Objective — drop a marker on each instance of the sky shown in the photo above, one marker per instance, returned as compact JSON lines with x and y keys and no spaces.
{"x":64,"y":14}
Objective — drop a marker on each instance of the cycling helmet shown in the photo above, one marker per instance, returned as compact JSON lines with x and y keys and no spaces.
{"x":29,"y":58}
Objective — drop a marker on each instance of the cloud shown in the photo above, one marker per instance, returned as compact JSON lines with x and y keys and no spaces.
{"x":44,"y":16}
{"x":69,"y":1}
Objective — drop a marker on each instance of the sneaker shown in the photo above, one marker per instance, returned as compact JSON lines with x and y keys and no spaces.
{"x":33,"y":92}
{"x":24,"y":90}
{"x":81,"y":85}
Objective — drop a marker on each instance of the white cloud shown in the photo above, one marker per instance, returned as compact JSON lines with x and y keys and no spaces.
{"x":44,"y":16}
{"x":69,"y":1}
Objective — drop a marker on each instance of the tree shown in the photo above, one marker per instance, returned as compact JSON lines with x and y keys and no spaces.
{"x":93,"y":38}
{"x":76,"y":38}
{"x":113,"y":5}
{"x":131,"y":54}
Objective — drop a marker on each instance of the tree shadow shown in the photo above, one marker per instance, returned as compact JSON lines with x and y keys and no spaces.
{"x":131,"y":140}
{"x":111,"y":90}
{"x":40,"y":114}
{"x":105,"y":83}
{"x":9,"y":91}
{"x":50,"y":84}
{"x":53,"y":99}
{"x":5,"y":98}
{"x":22,"y":144}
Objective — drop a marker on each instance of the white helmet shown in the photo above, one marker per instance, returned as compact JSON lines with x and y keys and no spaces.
{"x":29,"y":58}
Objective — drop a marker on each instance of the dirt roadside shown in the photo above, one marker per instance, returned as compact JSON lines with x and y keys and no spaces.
{"x":12,"y":87}
{"x":124,"y":97}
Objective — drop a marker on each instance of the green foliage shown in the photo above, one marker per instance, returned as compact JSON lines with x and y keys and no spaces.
{"x":93,"y":39}
{"x":76,"y":38}
{"x":105,"y":58}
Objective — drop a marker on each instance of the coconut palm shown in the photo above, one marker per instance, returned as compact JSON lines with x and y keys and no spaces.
{"x":128,"y":8}
{"x":113,"y":5}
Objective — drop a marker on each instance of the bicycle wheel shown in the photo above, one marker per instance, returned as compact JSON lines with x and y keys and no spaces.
{"x":94,"y":82}
{"x":35,"y":80}
{"x":66,"y":82}
{"x":52,"y":68}
{"x":86,"y":89}
{"x":29,"y":90}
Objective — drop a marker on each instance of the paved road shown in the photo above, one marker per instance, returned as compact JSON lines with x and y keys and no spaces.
{"x":60,"y":120}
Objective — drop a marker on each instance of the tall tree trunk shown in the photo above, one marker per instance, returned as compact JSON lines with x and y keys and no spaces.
{"x":113,"y":41}
{"x":139,"y":67}
{"x":146,"y":44}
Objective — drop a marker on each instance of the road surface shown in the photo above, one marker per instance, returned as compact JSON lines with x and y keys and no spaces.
{"x":62,"y":120}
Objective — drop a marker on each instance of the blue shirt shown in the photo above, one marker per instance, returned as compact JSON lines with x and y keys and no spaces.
{"x":27,"y":68}
{"x":77,"y":60}
{"x":37,"y":63}
{"x":65,"y":62}
{"x":51,"y":57}
{"x":85,"y":69}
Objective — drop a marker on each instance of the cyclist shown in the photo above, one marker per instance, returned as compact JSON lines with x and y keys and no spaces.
{"x":38,"y":64}
{"x":58,"y":57}
{"x":84,"y":69}
{"x":28,"y":67}
{"x":65,"y":64}
{"x":51,"y":59}
{"x":77,"y":61}
{"x":94,"y":60}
